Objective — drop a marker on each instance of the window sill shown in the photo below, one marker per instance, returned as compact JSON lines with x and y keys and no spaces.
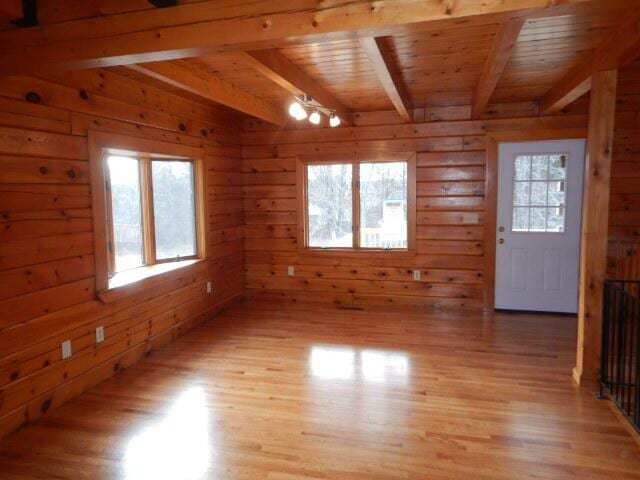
{"x":358,"y":251}
{"x":133,"y":281}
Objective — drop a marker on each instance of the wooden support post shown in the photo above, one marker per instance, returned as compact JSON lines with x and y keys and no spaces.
{"x":595,"y":224}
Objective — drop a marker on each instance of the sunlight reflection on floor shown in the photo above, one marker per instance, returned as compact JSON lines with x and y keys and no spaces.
{"x":176,"y":449}
{"x":345,"y":363}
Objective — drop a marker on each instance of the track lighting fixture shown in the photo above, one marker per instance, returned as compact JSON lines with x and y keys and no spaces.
{"x":299,"y":110}
{"x":315,"y":117}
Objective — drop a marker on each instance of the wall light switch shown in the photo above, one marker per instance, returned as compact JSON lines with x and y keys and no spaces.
{"x":291,"y":271}
{"x":209,"y":287}
{"x":100,"y":334}
{"x":470,"y":217}
{"x":66,"y":349}
{"x":417,"y":274}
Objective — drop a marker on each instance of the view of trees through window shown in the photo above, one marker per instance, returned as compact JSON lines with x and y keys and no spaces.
{"x":126,"y":212}
{"x":174,"y":216}
{"x":173,"y":208}
{"x":329,"y":205}
{"x":383,"y":205}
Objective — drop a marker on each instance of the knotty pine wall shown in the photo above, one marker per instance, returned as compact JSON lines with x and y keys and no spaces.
{"x":47,"y":284}
{"x":624,"y":212}
{"x":451,"y":174}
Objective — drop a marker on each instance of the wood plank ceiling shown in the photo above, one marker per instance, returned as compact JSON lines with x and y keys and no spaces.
{"x":439,"y":67}
{"x":464,"y":59}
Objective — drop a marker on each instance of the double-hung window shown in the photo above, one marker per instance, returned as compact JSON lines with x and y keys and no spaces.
{"x":364,"y":204}
{"x":149,"y":203}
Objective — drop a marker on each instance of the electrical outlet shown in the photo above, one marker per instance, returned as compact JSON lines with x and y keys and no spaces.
{"x":209,"y":288}
{"x":417,"y":274}
{"x":291,"y":271}
{"x":100,"y":334}
{"x":66,"y":349}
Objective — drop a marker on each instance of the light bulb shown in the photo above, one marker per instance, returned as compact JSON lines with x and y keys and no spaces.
{"x":297,"y":111}
{"x":315,"y":117}
{"x":334,"y":120}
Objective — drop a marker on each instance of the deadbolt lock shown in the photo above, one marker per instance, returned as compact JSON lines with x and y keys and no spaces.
{"x":501,"y":229}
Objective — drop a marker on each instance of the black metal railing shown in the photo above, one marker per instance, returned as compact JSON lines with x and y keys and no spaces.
{"x":620,"y":368}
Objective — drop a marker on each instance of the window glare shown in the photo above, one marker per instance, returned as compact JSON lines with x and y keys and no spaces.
{"x":124,"y":178}
{"x":383,"y":205}
{"x":329,"y":207}
{"x":174,"y":208}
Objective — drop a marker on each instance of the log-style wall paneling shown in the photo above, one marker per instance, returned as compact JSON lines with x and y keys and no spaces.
{"x":624,"y":211}
{"x":451,"y":175}
{"x":47,"y":273}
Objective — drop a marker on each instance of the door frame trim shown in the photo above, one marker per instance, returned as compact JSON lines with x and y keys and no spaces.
{"x":491,"y":192}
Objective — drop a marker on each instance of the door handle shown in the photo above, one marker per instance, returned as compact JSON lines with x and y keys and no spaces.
{"x":501,"y":241}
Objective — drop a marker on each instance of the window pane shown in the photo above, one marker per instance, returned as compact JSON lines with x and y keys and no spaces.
{"x":521,"y":193}
{"x":124,"y":178}
{"x":329,"y":205}
{"x":539,"y":184}
{"x":537,"y":219}
{"x":558,"y":167}
{"x":522,"y":167}
{"x":555,"y":219}
{"x":174,"y":208}
{"x":538,"y":193}
{"x":539,"y":164}
{"x":520,"y":219}
{"x":556,"y":194}
{"x":383,"y":205}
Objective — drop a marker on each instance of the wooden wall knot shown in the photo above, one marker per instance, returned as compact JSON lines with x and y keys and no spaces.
{"x":33,"y":97}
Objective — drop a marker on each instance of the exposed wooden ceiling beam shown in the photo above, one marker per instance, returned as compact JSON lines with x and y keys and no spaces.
{"x":617,"y":50}
{"x":501,"y":49}
{"x":278,"y":68}
{"x":210,"y":87}
{"x":11,"y":9}
{"x":201,"y":28}
{"x":389,"y":75}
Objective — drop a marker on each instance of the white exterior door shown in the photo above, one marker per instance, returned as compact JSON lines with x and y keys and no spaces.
{"x":538,"y":225}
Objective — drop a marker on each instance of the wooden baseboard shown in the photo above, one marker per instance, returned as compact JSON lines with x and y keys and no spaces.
{"x":66,"y":391}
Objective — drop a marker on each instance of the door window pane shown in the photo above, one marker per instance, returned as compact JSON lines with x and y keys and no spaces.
{"x":126,"y":212}
{"x":174,"y":208}
{"x":383,"y":205}
{"x":539,"y":195}
{"x":329,"y":205}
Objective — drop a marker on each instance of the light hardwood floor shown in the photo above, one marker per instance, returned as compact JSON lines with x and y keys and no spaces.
{"x":285,"y":391}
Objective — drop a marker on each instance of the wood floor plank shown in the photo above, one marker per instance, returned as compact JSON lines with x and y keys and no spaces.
{"x":283,"y":391}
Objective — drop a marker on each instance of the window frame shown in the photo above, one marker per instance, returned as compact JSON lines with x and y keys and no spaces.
{"x":301,"y":199}
{"x":100,"y":143}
